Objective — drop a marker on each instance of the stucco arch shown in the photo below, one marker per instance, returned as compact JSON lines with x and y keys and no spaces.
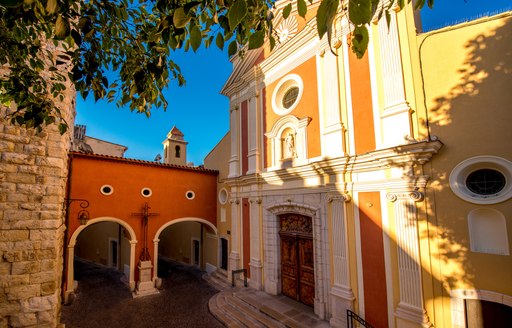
{"x":186,"y":219}
{"x":71,"y":252}
{"x":156,"y":240}
{"x":72,"y":240}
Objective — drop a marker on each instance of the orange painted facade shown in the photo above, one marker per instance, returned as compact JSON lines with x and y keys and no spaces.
{"x":169,"y":185}
{"x":364,"y":132}
{"x":309,"y":100}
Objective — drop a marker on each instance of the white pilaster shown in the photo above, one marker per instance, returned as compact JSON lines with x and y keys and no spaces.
{"x":253,"y":129}
{"x":234,"y":256}
{"x":255,"y":263}
{"x":396,"y":114}
{"x":341,"y":294}
{"x":410,"y":311}
{"x":234,"y":163}
{"x":329,"y":98}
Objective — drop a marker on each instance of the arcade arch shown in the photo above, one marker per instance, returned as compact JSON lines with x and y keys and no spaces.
{"x":156,"y":239}
{"x":70,"y":274}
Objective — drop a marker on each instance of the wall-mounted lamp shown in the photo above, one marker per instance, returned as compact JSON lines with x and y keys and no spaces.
{"x":83,"y":216}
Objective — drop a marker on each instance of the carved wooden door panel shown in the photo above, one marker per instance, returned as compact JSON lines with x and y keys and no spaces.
{"x":297,"y":261}
{"x":306,"y":271}
{"x":289,"y":266}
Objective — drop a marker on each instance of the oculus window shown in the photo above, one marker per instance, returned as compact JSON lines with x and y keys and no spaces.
{"x":482,"y":180}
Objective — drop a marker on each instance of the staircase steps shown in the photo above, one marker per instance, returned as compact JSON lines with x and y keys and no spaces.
{"x":246,"y":307}
{"x":218,"y":280}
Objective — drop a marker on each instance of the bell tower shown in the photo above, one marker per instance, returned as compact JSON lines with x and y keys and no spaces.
{"x":175,"y":148}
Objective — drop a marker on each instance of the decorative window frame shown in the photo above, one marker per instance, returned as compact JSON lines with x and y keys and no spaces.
{"x":461,"y":171}
{"x":291,"y":80}
{"x":299,"y":127}
{"x":223,"y":196}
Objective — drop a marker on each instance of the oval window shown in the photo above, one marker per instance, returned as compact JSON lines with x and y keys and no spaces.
{"x":146,"y":192}
{"x":190,"y":195}
{"x":107,"y":190}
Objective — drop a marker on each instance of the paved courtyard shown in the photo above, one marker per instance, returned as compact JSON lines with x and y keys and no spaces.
{"x":102,"y":300}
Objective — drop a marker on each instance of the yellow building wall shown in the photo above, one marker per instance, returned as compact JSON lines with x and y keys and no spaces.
{"x":467,"y":73}
{"x":218,"y":159}
{"x":176,"y":241}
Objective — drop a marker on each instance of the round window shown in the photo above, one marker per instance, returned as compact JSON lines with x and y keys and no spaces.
{"x":146,"y":192}
{"x":485,"y":182}
{"x":287,"y":94}
{"x":223,"y":196}
{"x":190,"y":195}
{"x":107,"y":190}
{"x":290,"y":96}
{"x":482,"y":180}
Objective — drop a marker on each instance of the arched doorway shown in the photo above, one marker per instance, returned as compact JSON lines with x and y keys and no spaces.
{"x":316,"y":264}
{"x":185,"y":240}
{"x":108,"y":241}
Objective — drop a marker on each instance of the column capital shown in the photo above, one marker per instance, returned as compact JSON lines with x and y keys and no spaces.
{"x":414,"y":195}
{"x":344,"y":197}
{"x":234,"y":201}
{"x":255,"y":200}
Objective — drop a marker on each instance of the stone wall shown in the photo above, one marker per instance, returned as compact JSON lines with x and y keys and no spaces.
{"x":33,"y":173}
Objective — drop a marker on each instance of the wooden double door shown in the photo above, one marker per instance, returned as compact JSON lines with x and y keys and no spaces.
{"x":297,"y":260}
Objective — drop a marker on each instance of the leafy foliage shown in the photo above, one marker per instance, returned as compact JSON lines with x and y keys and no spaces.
{"x":48,"y":44}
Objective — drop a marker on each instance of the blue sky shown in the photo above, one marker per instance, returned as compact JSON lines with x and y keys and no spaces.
{"x":200,"y":112}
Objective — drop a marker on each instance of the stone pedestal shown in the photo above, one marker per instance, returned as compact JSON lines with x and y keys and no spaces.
{"x":145,"y":285}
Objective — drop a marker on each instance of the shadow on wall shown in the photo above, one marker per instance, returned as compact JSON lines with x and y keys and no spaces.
{"x":469,"y":111}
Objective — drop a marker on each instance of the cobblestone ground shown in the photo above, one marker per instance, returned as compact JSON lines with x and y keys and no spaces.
{"x":102,"y":300}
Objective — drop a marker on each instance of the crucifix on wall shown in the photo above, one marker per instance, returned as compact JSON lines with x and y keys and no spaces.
{"x":144,"y":255}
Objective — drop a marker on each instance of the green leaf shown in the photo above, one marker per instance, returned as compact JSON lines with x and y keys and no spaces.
{"x":287,"y":10}
{"x":325,"y":16}
{"x":219,"y":41}
{"x":51,"y":6}
{"x":360,"y":11}
{"x":11,"y":3}
{"x":232,"y":48}
{"x":180,"y":19}
{"x":256,"y":40}
{"x":360,"y":40}
{"x":195,"y":38}
{"x":61,"y":27}
{"x":302,"y":8}
{"x":237,"y":13}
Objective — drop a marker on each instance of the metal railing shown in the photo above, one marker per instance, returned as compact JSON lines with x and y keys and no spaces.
{"x":351,"y":317}
{"x":234,"y":272}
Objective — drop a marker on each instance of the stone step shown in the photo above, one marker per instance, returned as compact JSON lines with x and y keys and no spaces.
{"x":253,"y":312}
{"x":244,"y":315}
{"x":216,"y":282}
{"x":217,"y":306}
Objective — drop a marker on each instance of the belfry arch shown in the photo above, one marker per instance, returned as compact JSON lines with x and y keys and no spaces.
{"x":156,"y":239}
{"x":70,"y":274}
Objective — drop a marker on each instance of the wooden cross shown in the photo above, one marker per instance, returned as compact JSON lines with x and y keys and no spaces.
{"x":144,"y":255}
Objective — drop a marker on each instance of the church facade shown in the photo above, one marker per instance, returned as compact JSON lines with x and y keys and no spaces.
{"x":379,"y":185}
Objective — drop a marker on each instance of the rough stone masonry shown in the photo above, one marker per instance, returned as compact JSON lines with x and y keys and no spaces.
{"x":33,"y":173}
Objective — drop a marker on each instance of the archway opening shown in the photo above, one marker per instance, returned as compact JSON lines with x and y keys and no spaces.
{"x":115,"y":237}
{"x":103,"y":248}
{"x":186,"y":243}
